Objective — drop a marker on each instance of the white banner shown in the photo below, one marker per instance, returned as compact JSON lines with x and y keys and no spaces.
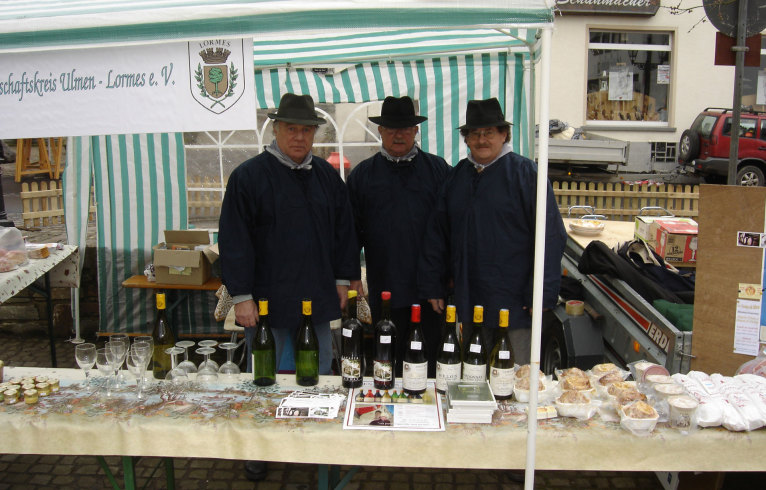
{"x":194,"y":86}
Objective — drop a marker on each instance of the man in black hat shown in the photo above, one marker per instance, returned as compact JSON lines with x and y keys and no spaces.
{"x":482,"y":232}
{"x":286,"y":232}
{"x":392,"y":194}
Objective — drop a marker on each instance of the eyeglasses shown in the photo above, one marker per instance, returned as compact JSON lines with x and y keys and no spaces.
{"x":486,"y":133}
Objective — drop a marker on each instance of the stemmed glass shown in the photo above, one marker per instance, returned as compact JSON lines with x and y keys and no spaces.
{"x":85,"y":354}
{"x":186,"y":364}
{"x":125,"y":340}
{"x":206,"y":373}
{"x":228,"y":368}
{"x":176,"y":375}
{"x":148,"y":374}
{"x":119,"y":350}
{"x":139,"y":353}
{"x":211,"y":344}
{"x":104,"y":360}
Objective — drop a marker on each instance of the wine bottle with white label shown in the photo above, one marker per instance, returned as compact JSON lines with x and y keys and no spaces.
{"x":449,"y":363}
{"x":415,"y":365}
{"x":475,"y":356}
{"x":352,"y":347}
{"x":501,"y":362}
{"x":385,"y":347}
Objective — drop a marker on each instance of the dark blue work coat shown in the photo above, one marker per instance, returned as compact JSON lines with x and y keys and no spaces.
{"x":392,"y":203}
{"x":286,"y":235}
{"x":482,"y":236}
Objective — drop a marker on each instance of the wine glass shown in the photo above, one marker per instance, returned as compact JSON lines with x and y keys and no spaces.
{"x":104,"y":360}
{"x":85,"y":354}
{"x":120,"y":351}
{"x":148,"y":376}
{"x":139,"y":353}
{"x":186,"y":364}
{"x":206,"y":373}
{"x":125,"y":340}
{"x":229,"y":368}
{"x":211,"y":344}
{"x":175,"y":375}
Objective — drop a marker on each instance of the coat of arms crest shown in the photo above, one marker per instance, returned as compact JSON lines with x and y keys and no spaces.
{"x":215,"y":80}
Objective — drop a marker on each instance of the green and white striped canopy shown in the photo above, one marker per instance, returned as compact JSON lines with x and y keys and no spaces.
{"x":28,"y":25}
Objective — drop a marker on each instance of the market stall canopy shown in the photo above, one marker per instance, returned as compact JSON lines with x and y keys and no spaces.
{"x":63,"y":24}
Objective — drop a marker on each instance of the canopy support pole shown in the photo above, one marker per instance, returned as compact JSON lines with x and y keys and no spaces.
{"x":537,"y":297}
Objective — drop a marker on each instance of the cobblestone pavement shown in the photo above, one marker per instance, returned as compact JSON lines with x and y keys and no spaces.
{"x":22,"y":346}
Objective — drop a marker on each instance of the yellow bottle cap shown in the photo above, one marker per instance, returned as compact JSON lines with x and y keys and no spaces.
{"x":160,"y":301}
{"x":504,"y":318}
{"x":450,"y":313}
{"x":263,"y":307}
{"x":306,"y":307}
{"x":478,"y":314}
{"x":352,"y":293}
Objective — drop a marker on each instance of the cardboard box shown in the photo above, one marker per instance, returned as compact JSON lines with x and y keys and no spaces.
{"x":180,"y":259}
{"x":676,"y":241}
{"x":644,"y":229}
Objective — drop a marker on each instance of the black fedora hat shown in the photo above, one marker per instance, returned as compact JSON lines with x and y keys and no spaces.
{"x":484,"y":114}
{"x":397,"y":113}
{"x":297,"y":109}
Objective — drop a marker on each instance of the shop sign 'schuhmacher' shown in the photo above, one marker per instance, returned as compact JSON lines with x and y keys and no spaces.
{"x":615,"y":7}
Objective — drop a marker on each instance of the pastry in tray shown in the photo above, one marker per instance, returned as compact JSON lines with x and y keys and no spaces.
{"x":573,"y":373}
{"x":628,"y":396}
{"x":523,"y":372}
{"x":639,"y":410}
{"x":601,"y":369}
{"x":573,"y":397}
{"x":610,"y":378}
{"x":576,"y":383}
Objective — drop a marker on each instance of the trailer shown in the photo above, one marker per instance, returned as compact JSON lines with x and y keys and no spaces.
{"x":618,"y":324}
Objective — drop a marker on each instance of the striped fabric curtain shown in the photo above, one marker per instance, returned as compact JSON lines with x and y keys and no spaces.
{"x":139,"y":186}
{"x":442,"y":86}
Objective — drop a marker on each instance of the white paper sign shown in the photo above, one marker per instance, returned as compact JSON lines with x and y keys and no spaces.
{"x":663,"y":74}
{"x":620,"y":85}
{"x":747,"y":327}
{"x":192,"y":86}
{"x":760,"y":95}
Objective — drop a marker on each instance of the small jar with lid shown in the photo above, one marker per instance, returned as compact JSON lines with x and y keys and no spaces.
{"x":30,"y":397}
{"x":44,"y":389}
{"x":41,"y":379}
{"x":27,"y":386}
{"x":54,"y":383}
{"x":28,"y":380}
{"x":11,"y":397}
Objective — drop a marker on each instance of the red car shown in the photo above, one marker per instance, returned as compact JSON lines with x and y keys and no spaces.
{"x":705,"y":146}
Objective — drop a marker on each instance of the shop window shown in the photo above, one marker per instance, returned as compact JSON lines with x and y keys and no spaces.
{"x":629,"y":77}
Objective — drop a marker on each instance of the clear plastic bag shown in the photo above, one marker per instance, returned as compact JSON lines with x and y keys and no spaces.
{"x":13,"y":250}
{"x":755,"y":366}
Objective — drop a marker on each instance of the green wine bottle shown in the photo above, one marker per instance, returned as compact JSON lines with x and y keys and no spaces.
{"x":306,"y":350}
{"x":475,"y":356}
{"x":448,"y":364}
{"x":501,"y":362}
{"x":264,"y":349}
{"x":163,"y":339}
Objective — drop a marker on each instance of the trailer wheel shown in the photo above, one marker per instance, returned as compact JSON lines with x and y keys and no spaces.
{"x":554,"y":350}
